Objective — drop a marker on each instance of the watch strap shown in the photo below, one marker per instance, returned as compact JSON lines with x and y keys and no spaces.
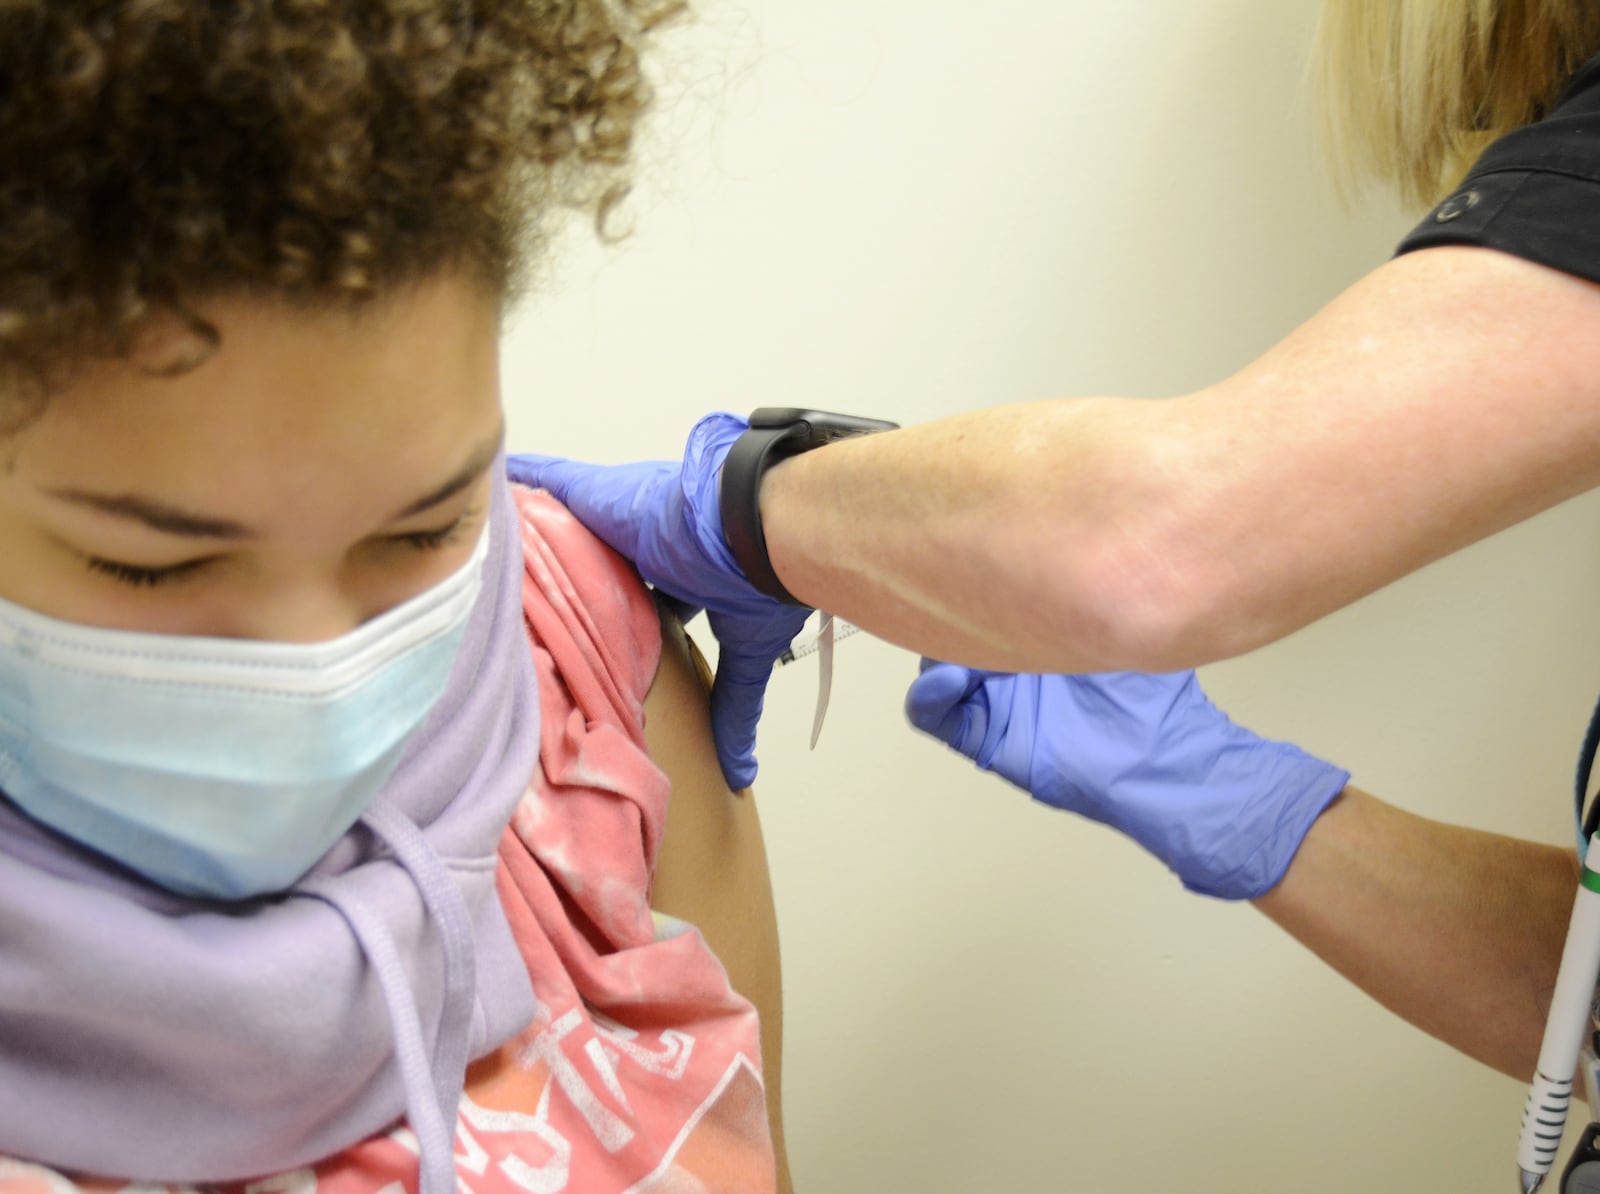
{"x":755,"y":451}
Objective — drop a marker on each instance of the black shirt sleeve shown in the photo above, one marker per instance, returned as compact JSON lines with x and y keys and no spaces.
{"x":1535,"y":192}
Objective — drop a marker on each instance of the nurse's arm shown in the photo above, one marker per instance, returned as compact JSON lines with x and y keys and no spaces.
{"x":1451,"y":393}
{"x":1455,"y":930}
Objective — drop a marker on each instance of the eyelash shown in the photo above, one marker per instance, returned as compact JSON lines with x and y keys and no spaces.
{"x":438,"y":537}
{"x":149,"y":578}
{"x":139,"y":578}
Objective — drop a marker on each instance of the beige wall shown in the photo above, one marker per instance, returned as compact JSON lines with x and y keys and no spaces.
{"x":907,"y":208}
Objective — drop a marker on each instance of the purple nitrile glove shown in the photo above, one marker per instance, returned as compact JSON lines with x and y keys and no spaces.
{"x":1148,"y":755}
{"x":665,"y":517}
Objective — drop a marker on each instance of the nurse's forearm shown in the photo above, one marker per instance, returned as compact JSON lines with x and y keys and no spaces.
{"x":1080,"y":535}
{"x":1011,"y":538}
{"x":1457,"y":931}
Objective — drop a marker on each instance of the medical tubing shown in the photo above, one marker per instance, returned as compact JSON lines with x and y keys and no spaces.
{"x":1588,"y":822}
{"x":1566,"y":1028}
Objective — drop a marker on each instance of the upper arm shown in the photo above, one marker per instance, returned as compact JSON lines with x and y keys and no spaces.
{"x":1451,"y":393}
{"x":711,"y":867}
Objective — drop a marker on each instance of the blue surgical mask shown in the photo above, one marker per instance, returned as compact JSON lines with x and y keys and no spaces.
{"x":222,"y":768}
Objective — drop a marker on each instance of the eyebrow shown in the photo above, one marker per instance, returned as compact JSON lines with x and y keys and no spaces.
{"x":169,"y":520}
{"x":173,"y":520}
{"x":482,"y":457}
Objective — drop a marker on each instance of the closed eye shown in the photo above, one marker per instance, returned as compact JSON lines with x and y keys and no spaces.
{"x":142,"y":577}
{"x":138,"y":576}
{"x":439,"y":536}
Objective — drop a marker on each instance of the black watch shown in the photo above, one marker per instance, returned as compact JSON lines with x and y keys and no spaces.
{"x":776,"y":433}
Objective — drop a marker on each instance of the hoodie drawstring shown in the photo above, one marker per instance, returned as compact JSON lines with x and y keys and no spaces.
{"x":433,"y":1080}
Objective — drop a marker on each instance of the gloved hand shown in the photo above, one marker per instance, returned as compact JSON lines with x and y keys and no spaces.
{"x":665,"y":517}
{"x":1148,"y":755}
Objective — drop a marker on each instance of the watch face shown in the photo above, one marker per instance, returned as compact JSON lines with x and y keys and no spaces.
{"x":821,"y":426}
{"x":779,"y":416}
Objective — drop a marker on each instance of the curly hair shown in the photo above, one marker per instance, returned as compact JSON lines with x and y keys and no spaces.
{"x":153,"y":152}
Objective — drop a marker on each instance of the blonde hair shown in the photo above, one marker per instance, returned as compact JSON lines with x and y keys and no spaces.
{"x":1412,"y":91}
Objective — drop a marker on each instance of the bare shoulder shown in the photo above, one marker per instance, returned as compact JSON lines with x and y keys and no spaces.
{"x":709,"y":827}
{"x":712,"y":866}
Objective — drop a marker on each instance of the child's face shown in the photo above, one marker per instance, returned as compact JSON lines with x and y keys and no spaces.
{"x":318,"y":469}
